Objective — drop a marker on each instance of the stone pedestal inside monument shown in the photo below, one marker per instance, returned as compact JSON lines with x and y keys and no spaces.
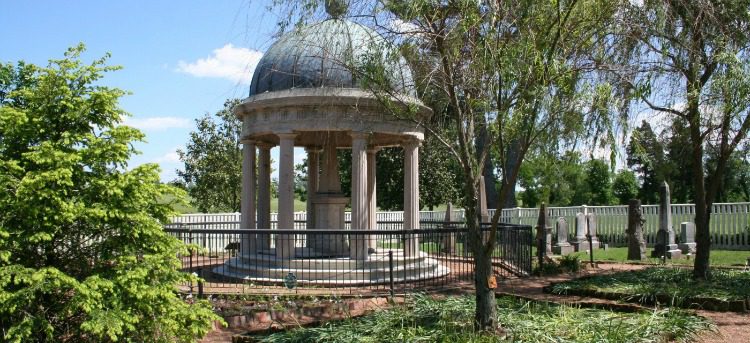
{"x":329,"y":215}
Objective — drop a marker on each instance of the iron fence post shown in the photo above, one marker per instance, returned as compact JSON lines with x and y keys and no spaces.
{"x":390,"y":271}
{"x":591,"y":248}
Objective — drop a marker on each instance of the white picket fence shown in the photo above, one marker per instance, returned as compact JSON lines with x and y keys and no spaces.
{"x":730,"y":222}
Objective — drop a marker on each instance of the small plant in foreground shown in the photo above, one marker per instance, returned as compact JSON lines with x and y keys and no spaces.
{"x":571,"y":263}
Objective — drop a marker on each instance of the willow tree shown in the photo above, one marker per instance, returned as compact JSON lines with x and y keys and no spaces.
{"x":694,"y":65}
{"x":513,"y":70}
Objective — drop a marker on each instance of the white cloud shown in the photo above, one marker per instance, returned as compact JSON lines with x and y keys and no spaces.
{"x":170,"y":157}
{"x":158,"y":123}
{"x":227,"y":62}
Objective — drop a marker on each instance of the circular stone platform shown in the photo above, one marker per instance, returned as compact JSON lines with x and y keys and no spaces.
{"x":265,"y":267}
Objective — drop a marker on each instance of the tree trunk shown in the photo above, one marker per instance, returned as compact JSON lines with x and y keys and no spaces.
{"x":485,"y":312}
{"x":485,"y":316}
{"x":702,"y":212}
{"x":511,"y":168}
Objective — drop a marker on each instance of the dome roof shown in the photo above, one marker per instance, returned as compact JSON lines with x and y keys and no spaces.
{"x":319,"y":55}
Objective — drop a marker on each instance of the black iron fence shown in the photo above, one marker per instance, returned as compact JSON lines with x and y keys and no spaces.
{"x":389,"y":259}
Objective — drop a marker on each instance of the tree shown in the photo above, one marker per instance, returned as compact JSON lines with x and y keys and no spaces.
{"x":83,"y":257}
{"x":598,"y":183}
{"x":645,"y":153}
{"x":300,"y":180}
{"x":213,"y":162}
{"x":625,"y":187}
{"x":550,"y":178}
{"x":695,"y":59}
{"x":511,"y":69}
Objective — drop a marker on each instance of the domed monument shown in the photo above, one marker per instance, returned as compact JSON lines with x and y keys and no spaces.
{"x":305,"y":92}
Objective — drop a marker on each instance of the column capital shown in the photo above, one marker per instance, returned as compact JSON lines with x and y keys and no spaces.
{"x":264,"y":145}
{"x":248,"y":141}
{"x":411,"y":143}
{"x":359,"y":135}
{"x":313,"y":149}
{"x":373,"y":149}
{"x":286,"y":135}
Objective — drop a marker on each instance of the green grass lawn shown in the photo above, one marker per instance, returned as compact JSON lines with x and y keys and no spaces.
{"x":181,"y":208}
{"x":450,"y":320}
{"x":675,"y":284}
{"x":717,"y":257}
{"x":299,"y":205}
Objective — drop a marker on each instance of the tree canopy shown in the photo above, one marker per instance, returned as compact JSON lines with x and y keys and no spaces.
{"x":83,"y":257}
{"x":213,"y":162}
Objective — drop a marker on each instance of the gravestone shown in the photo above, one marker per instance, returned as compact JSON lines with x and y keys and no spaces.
{"x":665,"y":242}
{"x":591,"y":231}
{"x":449,"y":238}
{"x":580,"y":243}
{"x":543,"y":232}
{"x":687,"y":236}
{"x":636,"y":243}
{"x":562,"y":247}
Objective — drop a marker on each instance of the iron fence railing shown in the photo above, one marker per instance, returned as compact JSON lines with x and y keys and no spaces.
{"x":436,"y":256}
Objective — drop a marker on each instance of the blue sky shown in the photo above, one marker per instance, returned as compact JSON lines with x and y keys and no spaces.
{"x":181,"y":59}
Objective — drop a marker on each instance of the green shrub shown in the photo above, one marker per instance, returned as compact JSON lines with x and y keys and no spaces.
{"x":571,"y":263}
{"x":83,"y":256}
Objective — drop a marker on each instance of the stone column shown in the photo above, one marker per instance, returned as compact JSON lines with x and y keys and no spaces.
{"x":358,"y":243}
{"x":543,"y":246}
{"x":580,"y":242}
{"x":372,"y":206}
{"x":665,"y":243}
{"x":285,"y":243}
{"x":247,"y":208}
{"x":411,"y":195}
{"x":264,"y":194}
{"x":313,"y":170}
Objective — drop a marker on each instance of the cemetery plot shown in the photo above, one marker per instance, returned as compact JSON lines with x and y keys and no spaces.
{"x":426,"y":319}
{"x":727,"y":290}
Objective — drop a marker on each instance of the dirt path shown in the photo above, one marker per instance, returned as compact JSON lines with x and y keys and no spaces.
{"x":732,"y":327}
